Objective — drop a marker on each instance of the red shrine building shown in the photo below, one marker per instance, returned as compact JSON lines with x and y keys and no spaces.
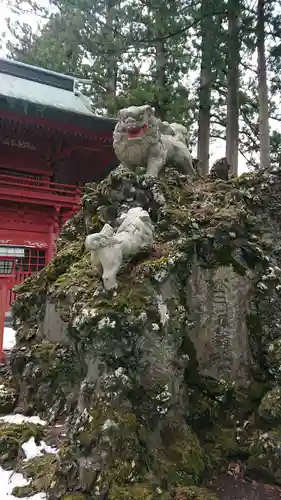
{"x":51,"y":144}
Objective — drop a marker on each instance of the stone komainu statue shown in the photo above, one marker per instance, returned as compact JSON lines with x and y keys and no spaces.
{"x":141,"y":139}
{"x":110,"y":248}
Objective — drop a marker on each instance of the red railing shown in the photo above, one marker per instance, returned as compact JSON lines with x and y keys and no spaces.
{"x":11,"y":294}
{"x":15,"y":187}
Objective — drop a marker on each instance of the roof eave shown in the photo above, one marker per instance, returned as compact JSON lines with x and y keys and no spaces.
{"x":21,"y":108}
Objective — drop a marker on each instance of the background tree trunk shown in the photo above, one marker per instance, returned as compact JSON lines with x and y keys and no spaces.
{"x":263,"y":90}
{"x":232,"y":119}
{"x":204,"y":116}
{"x":160,"y":63}
{"x":161,"y":97}
{"x":111,"y":69}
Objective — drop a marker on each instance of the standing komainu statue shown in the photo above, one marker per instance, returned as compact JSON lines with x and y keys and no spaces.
{"x":109,"y":249}
{"x":141,"y":139}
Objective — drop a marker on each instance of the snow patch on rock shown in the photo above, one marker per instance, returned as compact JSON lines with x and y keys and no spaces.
{"x":19,"y":419}
{"x":31,"y":450}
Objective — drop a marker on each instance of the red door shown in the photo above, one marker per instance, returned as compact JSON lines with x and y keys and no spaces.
{"x":16,"y":264}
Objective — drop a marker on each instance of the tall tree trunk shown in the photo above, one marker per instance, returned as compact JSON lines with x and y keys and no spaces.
{"x":160,"y":63}
{"x":263,"y":90}
{"x":111,"y":68}
{"x":232,"y":120}
{"x":162,"y":97}
{"x":203,"y":145}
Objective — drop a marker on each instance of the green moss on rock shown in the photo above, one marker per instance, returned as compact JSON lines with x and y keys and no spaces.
{"x":47,"y":376}
{"x":7,"y":401}
{"x":12,"y":436}
{"x":265,"y":458}
{"x":40,"y":470}
{"x":136,"y":491}
{"x":180,"y":459}
{"x":257,"y":390}
{"x":22,"y":491}
{"x":222,"y":444}
{"x":270,"y":406}
{"x":75,"y":496}
{"x":8,"y":396}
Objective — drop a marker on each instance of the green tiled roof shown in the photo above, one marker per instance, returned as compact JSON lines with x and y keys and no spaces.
{"x":43,"y":94}
{"x":22,"y":87}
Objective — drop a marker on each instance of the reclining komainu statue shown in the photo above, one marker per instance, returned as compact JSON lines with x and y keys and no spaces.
{"x":141,"y":139}
{"x":110,"y":248}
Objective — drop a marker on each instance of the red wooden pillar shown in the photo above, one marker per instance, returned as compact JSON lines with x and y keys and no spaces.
{"x":3,"y":310}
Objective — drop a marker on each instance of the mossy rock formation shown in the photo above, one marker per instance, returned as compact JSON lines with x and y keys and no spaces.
{"x":40,"y":472}
{"x":165,"y":378}
{"x":12,"y":437}
{"x":8,"y":396}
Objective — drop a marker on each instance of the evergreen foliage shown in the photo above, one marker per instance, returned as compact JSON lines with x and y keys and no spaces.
{"x":155,"y":51}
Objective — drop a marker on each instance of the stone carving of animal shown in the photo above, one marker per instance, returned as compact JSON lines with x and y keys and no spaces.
{"x":109,"y":249}
{"x":141,"y":139}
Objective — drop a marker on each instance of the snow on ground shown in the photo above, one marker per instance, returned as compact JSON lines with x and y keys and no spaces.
{"x":9,"y":338}
{"x":8,"y":481}
{"x":21,"y":419}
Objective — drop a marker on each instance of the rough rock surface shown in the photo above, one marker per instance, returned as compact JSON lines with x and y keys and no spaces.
{"x":165,"y":379}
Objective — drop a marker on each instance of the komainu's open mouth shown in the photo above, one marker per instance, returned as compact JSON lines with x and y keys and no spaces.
{"x":136,"y":131}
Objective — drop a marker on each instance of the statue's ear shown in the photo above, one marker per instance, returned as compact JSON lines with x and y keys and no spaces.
{"x":149,"y":110}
